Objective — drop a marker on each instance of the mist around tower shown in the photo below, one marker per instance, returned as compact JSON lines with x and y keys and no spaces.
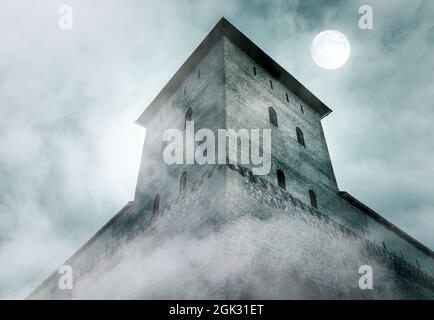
{"x":190,"y":147}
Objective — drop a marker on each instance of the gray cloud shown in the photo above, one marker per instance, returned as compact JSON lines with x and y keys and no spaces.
{"x":69,"y":148}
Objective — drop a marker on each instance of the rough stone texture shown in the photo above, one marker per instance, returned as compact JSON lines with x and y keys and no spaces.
{"x":232,"y":235}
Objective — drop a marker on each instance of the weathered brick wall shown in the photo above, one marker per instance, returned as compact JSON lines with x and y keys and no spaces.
{"x":266,"y":244}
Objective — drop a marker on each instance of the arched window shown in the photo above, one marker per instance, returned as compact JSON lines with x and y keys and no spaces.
{"x":281,"y":179}
{"x":272,"y":115}
{"x":183,"y":182}
{"x":312,"y":197}
{"x":300,"y":137}
{"x":188,"y":116}
{"x":156,"y":206}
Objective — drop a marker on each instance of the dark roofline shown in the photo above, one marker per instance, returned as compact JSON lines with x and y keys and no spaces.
{"x":225,"y":28}
{"x":385,"y":222}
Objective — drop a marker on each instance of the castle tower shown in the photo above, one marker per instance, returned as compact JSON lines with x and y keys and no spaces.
{"x":290,"y":233}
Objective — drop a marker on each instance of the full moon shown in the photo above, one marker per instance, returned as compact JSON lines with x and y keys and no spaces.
{"x":330,"y":49}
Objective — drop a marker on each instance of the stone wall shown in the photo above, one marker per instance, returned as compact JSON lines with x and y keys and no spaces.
{"x":266,"y":244}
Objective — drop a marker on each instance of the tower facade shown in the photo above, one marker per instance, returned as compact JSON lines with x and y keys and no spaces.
{"x":290,"y":233}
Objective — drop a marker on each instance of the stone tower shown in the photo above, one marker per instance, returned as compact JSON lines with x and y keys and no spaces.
{"x":288,"y":234}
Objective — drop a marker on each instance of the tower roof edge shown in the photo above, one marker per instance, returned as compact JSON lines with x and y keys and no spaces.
{"x":225,"y":28}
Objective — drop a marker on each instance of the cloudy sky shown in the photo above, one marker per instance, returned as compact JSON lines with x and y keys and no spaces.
{"x":70,"y":150}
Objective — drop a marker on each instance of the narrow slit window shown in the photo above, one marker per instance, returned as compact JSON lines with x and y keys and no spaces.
{"x":188,"y":116}
{"x":271,"y":85}
{"x":198,"y":74}
{"x":273,"y":116}
{"x":300,"y":137}
{"x":156,"y":206}
{"x":281,"y":179}
{"x":313,"y":201}
{"x":183,"y":182}
{"x":301,"y":109}
{"x":287,"y":97}
{"x":185,"y":89}
{"x":254,"y":71}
